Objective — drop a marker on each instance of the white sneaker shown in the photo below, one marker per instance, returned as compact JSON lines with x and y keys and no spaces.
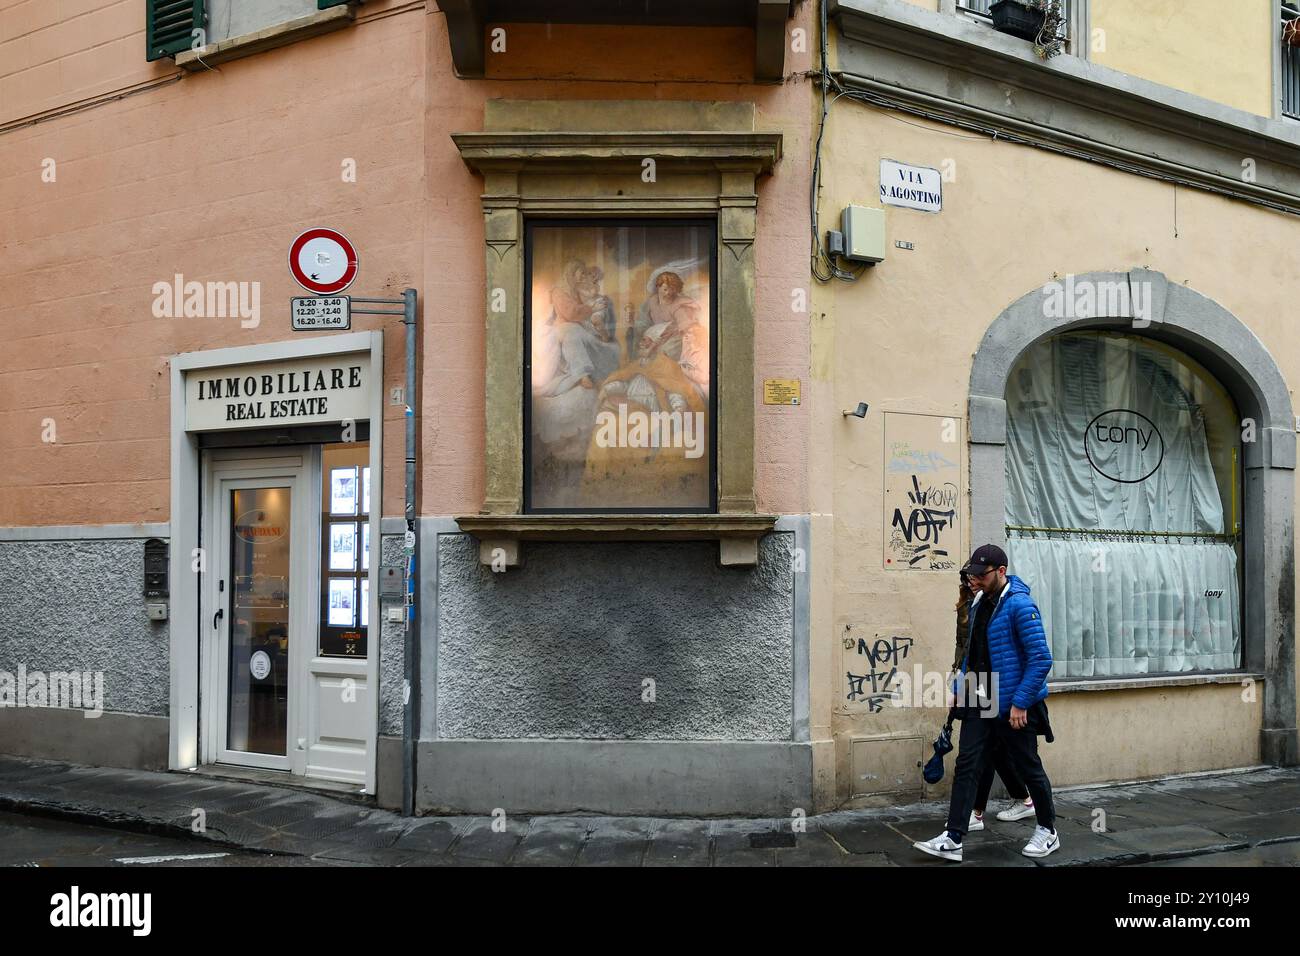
{"x":941,"y":846}
{"x":1043,"y":842}
{"x":1017,"y":810}
{"x":976,"y":822}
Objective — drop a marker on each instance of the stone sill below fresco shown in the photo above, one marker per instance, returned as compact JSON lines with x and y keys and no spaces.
{"x":736,"y":534}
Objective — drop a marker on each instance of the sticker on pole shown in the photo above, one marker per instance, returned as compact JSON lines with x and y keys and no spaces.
{"x":323,"y":261}
{"x":312,"y":314}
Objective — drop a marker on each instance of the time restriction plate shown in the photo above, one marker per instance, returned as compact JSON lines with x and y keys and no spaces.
{"x":314,"y":313}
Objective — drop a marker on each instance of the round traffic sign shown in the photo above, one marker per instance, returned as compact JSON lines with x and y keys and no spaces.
{"x":323,"y":261}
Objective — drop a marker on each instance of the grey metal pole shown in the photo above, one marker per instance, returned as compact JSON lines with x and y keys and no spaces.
{"x":411,"y":657}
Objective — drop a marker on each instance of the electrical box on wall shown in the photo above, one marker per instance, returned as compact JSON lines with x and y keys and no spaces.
{"x":864,"y":233}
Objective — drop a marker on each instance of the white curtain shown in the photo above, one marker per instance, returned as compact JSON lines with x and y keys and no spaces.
{"x":1104,"y":434}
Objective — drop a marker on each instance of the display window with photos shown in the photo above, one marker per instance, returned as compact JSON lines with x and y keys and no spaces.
{"x":345,"y":550}
{"x":620,"y":406}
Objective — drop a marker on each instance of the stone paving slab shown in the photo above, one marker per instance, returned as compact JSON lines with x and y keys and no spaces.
{"x":974,"y":850}
{"x":551,"y":841}
{"x":680,"y":843}
{"x":480,"y":841}
{"x":1157,"y":842}
{"x":1090,"y":849}
{"x":1251,"y":799}
{"x":226,"y":827}
{"x":325,"y":824}
{"x":733,"y":844}
{"x":431,"y":835}
{"x":816,"y":848}
{"x":857,"y":835}
{"x":998,"y":832}
{"x":1149,"y":808}
{"x":1259,"y":828}
{"x":1276,"y":854}
{"x":618,"y":842}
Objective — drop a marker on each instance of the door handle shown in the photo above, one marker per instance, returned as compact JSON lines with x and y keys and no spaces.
{"x":221,"y":612}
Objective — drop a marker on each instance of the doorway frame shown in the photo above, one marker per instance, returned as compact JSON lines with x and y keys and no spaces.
{"x":220,"y":468}
{"x":184,"y":750}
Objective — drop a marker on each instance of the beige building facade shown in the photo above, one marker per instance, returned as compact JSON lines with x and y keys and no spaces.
{"x":1093,"y":245}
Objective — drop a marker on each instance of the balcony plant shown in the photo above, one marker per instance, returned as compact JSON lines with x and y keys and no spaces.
{"x":1038,"y":20}
{"x":1291,"y":32}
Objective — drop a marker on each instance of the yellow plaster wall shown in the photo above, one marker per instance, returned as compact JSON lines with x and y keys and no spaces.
{"x":1223,"y":52}
{"x":902,"y":338}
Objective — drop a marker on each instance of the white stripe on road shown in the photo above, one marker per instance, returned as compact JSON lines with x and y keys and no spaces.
{"x":169,"y":859}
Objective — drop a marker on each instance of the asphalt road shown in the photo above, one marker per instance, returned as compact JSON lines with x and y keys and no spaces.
{"x":40,"y":841}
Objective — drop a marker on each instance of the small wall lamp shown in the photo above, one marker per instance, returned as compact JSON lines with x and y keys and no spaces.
{"x":859,"y":412}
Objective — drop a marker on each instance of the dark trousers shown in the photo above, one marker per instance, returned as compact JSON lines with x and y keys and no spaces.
{"x":975,"y":754}
{"x":1001,"y":763}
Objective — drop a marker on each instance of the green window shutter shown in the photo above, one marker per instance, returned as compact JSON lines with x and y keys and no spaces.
{"x":169,"y":25}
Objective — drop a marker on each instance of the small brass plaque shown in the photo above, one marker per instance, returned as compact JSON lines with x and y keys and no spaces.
{"x":780,"y":391}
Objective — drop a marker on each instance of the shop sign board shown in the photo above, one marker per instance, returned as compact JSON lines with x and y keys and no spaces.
{"x":306,"y":391}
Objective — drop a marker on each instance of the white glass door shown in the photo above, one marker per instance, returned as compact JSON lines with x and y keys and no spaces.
{"x":258,"y":614}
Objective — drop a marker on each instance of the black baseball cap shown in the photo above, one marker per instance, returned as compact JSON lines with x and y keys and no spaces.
{"x":986,"y":556}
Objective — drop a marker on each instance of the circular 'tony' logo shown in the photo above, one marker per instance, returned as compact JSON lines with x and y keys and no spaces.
{"x":1124,"y":445}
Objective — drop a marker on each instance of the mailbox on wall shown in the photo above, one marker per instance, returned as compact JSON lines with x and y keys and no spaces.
{"x":155,"y":568}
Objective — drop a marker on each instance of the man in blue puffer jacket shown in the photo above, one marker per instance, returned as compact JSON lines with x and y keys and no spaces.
{"x":1007,"y":659}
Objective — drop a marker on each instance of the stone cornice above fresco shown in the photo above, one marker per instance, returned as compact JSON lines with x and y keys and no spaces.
{"x":954,"y":70}
{"x":467,"y":21}
{"x":527,"y":151}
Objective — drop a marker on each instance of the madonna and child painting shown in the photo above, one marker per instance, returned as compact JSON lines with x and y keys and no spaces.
{"x":621,"y":367}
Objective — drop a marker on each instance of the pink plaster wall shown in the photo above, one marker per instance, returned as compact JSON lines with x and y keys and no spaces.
{"x":213,"y":175}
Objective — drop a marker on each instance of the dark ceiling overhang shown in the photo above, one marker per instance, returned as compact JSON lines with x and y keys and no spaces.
{"x":467,"y":20}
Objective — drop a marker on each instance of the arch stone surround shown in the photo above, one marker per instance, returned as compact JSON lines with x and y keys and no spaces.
{"x":1218,"y":340}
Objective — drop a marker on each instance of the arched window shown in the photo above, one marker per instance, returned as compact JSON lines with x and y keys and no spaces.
{"x":1123,"y":505}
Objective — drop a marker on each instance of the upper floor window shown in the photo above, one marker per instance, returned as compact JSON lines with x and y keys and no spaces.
{"x":237,"y":18}
{"x":1049,"y":23}
{"x":1290,"y":56}
{"x":177,"y":26}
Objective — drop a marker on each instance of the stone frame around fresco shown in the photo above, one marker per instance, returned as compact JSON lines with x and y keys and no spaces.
{"x":530,"y":503}
{"x":572,"y":175}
